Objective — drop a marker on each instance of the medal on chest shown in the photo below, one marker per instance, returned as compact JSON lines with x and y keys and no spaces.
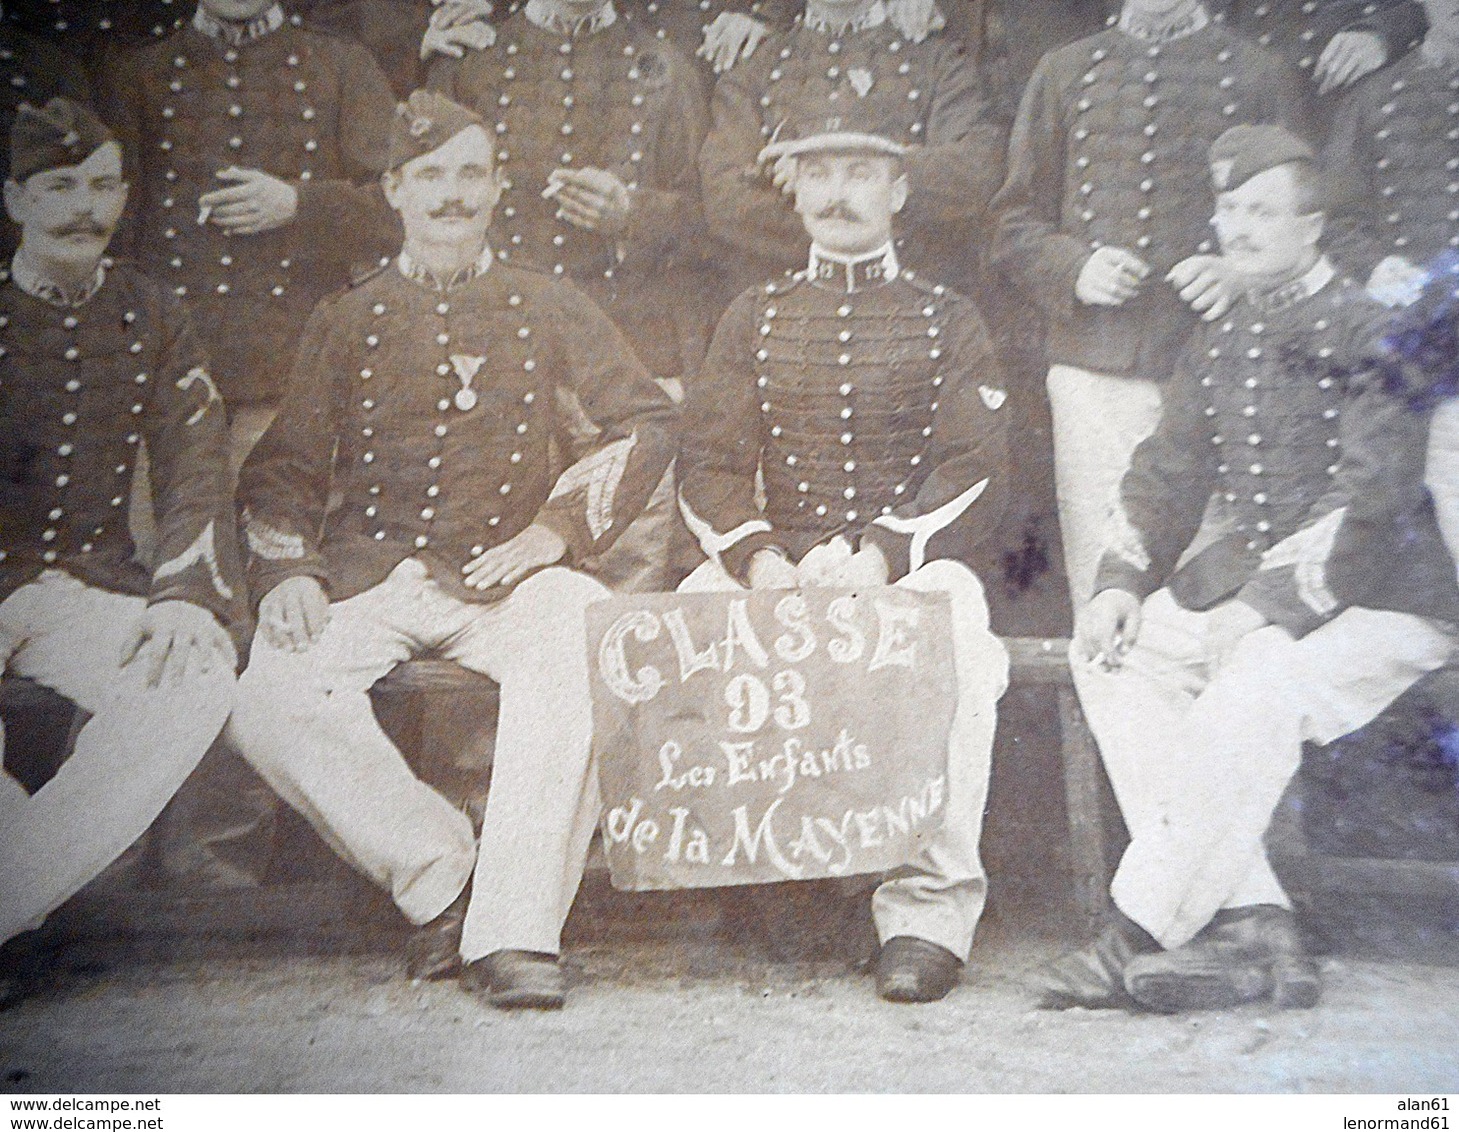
{"x":467,"y":366}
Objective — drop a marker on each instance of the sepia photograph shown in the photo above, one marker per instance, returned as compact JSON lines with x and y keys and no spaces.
{"x":728,"y":547}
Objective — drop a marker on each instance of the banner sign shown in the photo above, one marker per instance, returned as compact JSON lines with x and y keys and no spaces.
{"x":750,"y":737}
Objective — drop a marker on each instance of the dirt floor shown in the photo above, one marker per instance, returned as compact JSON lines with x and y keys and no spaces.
{"x":693,"y":1014}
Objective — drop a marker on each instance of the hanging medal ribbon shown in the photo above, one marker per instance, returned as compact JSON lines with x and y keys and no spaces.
{"x":467,"y":366}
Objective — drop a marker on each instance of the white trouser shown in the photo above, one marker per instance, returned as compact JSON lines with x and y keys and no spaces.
{"x":939,"y":896}
{"x":1441,"y":471}
{"x":130,"y":757}
{"x":304,"y":721}
{"x":1098,"y":422}
{"x":1199,"y":759}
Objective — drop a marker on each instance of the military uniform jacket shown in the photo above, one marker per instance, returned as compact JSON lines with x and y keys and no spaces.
{"x":1284,"y":410}
{"x":308,"y":108}
{"x":1299,"y":30}
{"x":926,"y":95}
{"x":1109,"y":149}
{"x":1395,"y":149}
{"x":81,"y":388}
{"x":451,"y":416}
{"x":617,"y":99}
{"x":875,"y":413}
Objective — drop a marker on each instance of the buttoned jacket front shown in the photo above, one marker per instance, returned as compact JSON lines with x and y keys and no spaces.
{"x":1110,"y":150}
{"x":310,"y":109}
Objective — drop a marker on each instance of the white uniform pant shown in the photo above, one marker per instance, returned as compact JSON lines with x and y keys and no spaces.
{"x":130,"y":757}
{"x":939,"y":895}
{"x":1441,"y":471}
{"x":1098,"y":422}
{"x":305,"y":723}
{"x":1199,"y":759}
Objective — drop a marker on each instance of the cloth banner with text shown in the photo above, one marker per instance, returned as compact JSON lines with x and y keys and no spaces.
{"x":751,"y":737}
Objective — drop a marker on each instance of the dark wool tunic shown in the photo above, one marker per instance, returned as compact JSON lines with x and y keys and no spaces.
{"x":1288,"y":412}
{"x":925,"y":95}
{"x":1110,"y":150}
{"x":423,"y":470}
{"x":1394,"y":152}
{"x":1298,"y":30}
{"x":618,"y":99}
{"x":308,"y":108}
{"x":882,"y":402}
{"x":81,"y":388}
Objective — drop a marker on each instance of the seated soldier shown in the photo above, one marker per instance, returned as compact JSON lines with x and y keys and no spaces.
{"x":95,"y":359}
{"x":1201,"y":678}
{"x":428,"y":397}
{"x":868,"y":401}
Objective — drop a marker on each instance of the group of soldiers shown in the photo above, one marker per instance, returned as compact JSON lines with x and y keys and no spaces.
{"x":430,"y":371}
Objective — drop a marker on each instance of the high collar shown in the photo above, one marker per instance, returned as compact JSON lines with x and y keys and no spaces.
{"x":419,"y":273}
{"x":234,"y":34}
{"x":1437,"y":53}
{"x":1313,"y":280}
{"x":873,"y":17}
{"x":36,"y":285}
{"x":1163,"y":30}
{"x":853,"y":273}
{"x":547,"y":16}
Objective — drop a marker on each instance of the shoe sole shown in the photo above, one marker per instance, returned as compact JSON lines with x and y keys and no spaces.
{"x":1296,"y":990}
{"x":1170,"y":992}
{"x":526,"y":1000}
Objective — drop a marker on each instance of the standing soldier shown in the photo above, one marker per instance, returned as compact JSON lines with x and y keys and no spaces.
{"x":847,"y":58}
{"x":428,"y":398}
{"x":1103,"y":200}
{"x":598,"y":123}
{"x":1203,"y":674}
{"x":1395,"y":147}
{"x":867,"y":404}
{"x":253,"y":142}
{"x":94,"y":360}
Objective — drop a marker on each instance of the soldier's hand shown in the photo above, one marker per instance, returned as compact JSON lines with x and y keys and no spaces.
{"x":1110,"y":277}
{"x":1106,"y":628}
{"x":293,"y":614}
{"x":865,"y":569}
{"x":733,"y":36}
{"x":174,"y":641}
{"x":513,"y":560}
{"x":1348,"y":56}
{"x":1204,"y":284}
{"x":1226,"y":626}
{"x":458,"y":25}
{"x":771,"y":570}
{"x":916,"y":19}
{"x":1396,"y":282}
{"x":592,"y":199}
{"x":253,"y":202}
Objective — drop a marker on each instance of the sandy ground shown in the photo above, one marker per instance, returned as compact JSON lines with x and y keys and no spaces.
{"x":655,"y":1017}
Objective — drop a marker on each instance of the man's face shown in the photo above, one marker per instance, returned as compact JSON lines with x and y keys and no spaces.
{"x":68,"y":214}
{"x":847,"y":200}
{"x":239,"y":11}
{"x":1443,"y":14}
{"x":1154,"y":9}
{"x":446,"y":197}
{"x":1263,"y":230}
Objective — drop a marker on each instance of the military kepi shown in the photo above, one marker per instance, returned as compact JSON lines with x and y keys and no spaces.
{"x":424,"y":122}
{"x":1243,"y":151}
{"x":63,"y":133}
{"x":858,"y":130}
